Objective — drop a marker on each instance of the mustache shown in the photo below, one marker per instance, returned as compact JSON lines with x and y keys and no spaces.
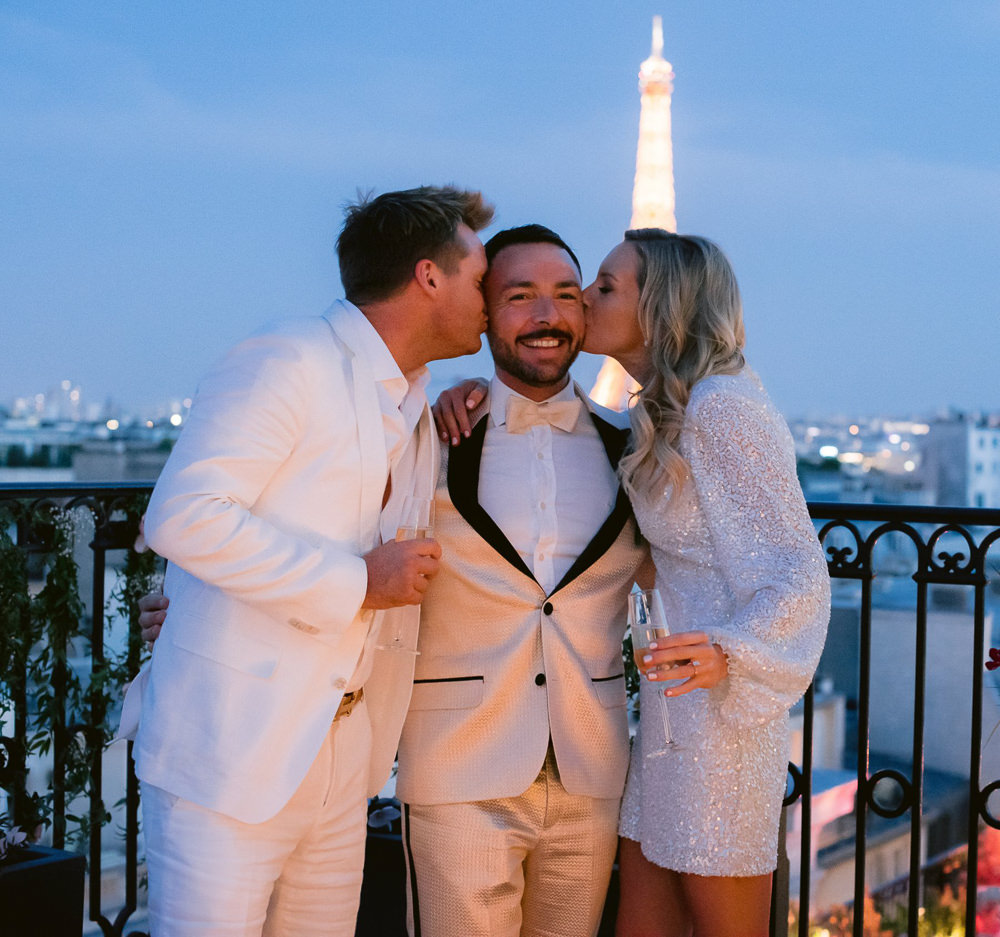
{"x":547,"y":333}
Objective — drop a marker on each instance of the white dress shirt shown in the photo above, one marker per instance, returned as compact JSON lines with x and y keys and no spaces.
{"x":401,"y":399}
{"x":548,"y":490}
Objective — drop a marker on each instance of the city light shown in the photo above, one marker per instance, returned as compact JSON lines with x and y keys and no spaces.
{"x":176,"y":419}
{"x":112,"y":424}
{"x":828,"y":452}
{"x":854,"y":429}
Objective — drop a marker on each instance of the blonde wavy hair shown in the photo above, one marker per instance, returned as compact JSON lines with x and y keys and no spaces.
{"x":691,"y":317}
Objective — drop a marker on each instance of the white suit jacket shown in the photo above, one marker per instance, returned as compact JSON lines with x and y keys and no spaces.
{"x":505,"y":667}
{"x":264,"y":509}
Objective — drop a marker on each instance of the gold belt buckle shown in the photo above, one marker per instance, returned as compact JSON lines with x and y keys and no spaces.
{"x":349,"y":701}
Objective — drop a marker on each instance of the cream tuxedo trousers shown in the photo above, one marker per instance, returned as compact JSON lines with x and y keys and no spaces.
{"x":535,"y":865}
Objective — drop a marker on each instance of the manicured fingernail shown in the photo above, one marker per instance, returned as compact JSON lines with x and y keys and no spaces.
{"x":454,"y":440}
{"x":668,"y":692}
{"x":653,"y":646}
{"x":467,"y":433}
{"x":469,"y":404}
{"x":647,"y":658}
{"x":653,"y":675}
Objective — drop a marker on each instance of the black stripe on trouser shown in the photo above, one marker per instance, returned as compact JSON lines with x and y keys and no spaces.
{"x":415,"y":904}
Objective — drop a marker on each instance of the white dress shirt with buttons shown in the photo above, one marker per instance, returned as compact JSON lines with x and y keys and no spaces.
{"x":548,"y":490}
{"x":401,"y":399}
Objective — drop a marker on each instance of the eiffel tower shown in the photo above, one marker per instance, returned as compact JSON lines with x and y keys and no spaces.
{"x":653,"y":199}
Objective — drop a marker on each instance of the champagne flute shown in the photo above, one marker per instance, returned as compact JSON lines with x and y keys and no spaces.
{"x":648,"y":622}
{"x":416,"y":522}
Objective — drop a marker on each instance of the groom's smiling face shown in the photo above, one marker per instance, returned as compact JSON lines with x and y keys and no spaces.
{"x":535,"y":305}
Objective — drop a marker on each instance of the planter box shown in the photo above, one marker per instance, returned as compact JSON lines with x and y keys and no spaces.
{"x":41,"y":892}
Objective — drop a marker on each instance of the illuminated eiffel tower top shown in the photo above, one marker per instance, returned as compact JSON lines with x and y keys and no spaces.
{"x":653,"y":194}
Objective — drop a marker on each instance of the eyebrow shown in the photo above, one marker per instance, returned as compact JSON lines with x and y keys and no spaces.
{"x":524,"y":284}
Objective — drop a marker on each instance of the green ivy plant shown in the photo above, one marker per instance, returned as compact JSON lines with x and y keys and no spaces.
{"x":66,"y":715}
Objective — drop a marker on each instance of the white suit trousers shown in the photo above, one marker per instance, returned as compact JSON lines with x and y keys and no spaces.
{"x":536,"y":865}
{"x":298,"y":873}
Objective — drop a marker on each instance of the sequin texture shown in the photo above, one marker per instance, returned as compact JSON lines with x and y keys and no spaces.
{"x":737,"y":557}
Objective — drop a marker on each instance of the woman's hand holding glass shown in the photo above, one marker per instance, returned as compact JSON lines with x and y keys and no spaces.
{"x":687,"y":656}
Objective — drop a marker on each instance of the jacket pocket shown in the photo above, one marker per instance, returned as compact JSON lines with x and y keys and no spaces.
{"x":610,"y":690}
{"x":238,"y":650}
{"x":447,"y":693}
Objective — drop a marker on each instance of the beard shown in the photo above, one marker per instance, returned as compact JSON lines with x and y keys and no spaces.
{"x":506,"y":358}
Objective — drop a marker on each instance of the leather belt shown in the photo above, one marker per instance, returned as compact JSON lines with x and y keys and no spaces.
{"x":348,"y":703}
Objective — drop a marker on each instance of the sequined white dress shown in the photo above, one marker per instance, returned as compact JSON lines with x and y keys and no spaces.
{"x":736,"y":557}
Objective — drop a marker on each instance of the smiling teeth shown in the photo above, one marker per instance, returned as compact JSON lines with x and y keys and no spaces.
{"x":543,"y":343}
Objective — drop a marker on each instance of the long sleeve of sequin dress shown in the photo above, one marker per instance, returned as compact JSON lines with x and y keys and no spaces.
{"x":736,"y":557}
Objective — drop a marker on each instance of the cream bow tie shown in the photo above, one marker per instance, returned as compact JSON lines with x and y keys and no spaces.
{"x":522,"y":414}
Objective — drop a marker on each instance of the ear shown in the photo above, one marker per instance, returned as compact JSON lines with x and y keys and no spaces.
{"x":428,"y":276}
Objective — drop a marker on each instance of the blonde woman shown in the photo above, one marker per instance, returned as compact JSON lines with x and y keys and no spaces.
{"x":711,"y":474}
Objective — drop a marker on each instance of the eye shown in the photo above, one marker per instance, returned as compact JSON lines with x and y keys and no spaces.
{"x":604,"y":289}
{"x":517,"y":297}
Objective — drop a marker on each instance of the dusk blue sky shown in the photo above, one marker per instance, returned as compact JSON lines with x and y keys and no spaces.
{"x":172,"y":174}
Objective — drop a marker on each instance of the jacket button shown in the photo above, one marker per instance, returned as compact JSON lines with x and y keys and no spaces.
{"x":539,"y":679}
{"x":547,"y":608}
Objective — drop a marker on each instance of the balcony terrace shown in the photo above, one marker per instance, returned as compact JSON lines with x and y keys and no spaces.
{"x":892,"y":819}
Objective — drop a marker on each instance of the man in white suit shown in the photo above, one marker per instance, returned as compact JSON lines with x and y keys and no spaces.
{"x":514,"y":753}
{"x":262,"y":723}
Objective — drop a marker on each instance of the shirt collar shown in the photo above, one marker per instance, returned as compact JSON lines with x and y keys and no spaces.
{"x":500,"y":393}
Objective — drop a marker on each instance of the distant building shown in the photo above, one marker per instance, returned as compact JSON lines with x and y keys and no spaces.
{"x":962,"y":460}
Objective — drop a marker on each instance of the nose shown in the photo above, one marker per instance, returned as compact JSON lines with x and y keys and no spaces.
{"x":544,"y":311}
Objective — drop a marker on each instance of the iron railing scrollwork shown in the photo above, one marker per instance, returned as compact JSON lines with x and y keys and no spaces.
{"x":849,"y":534}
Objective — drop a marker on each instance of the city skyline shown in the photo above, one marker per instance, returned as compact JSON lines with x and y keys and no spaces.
{"x":174,"y":178}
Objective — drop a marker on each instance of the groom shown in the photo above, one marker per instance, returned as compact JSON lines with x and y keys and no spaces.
{"x":262,"y":724}
{"x":515,"y":748}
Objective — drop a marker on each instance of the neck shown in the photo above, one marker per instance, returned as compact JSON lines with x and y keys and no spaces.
{"x":637,"y":363}
{"x":391,"y":322}
{"x":536,"y":392}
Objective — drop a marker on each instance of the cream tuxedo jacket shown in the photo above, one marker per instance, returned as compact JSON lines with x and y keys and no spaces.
{"x":264,"y":509}
{"x":503,"y":666}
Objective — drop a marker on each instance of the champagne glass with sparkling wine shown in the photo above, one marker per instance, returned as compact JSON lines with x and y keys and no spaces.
{"x":648,"y":622}
{"x":416,"y":522}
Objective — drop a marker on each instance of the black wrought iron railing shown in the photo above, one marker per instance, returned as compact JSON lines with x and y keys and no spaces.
{"x":58,"y":710}
{"x":949,"y":548}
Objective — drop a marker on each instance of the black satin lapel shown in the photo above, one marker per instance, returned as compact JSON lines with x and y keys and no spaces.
{"x":614,"y":440}
{"x":463,"y":486}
